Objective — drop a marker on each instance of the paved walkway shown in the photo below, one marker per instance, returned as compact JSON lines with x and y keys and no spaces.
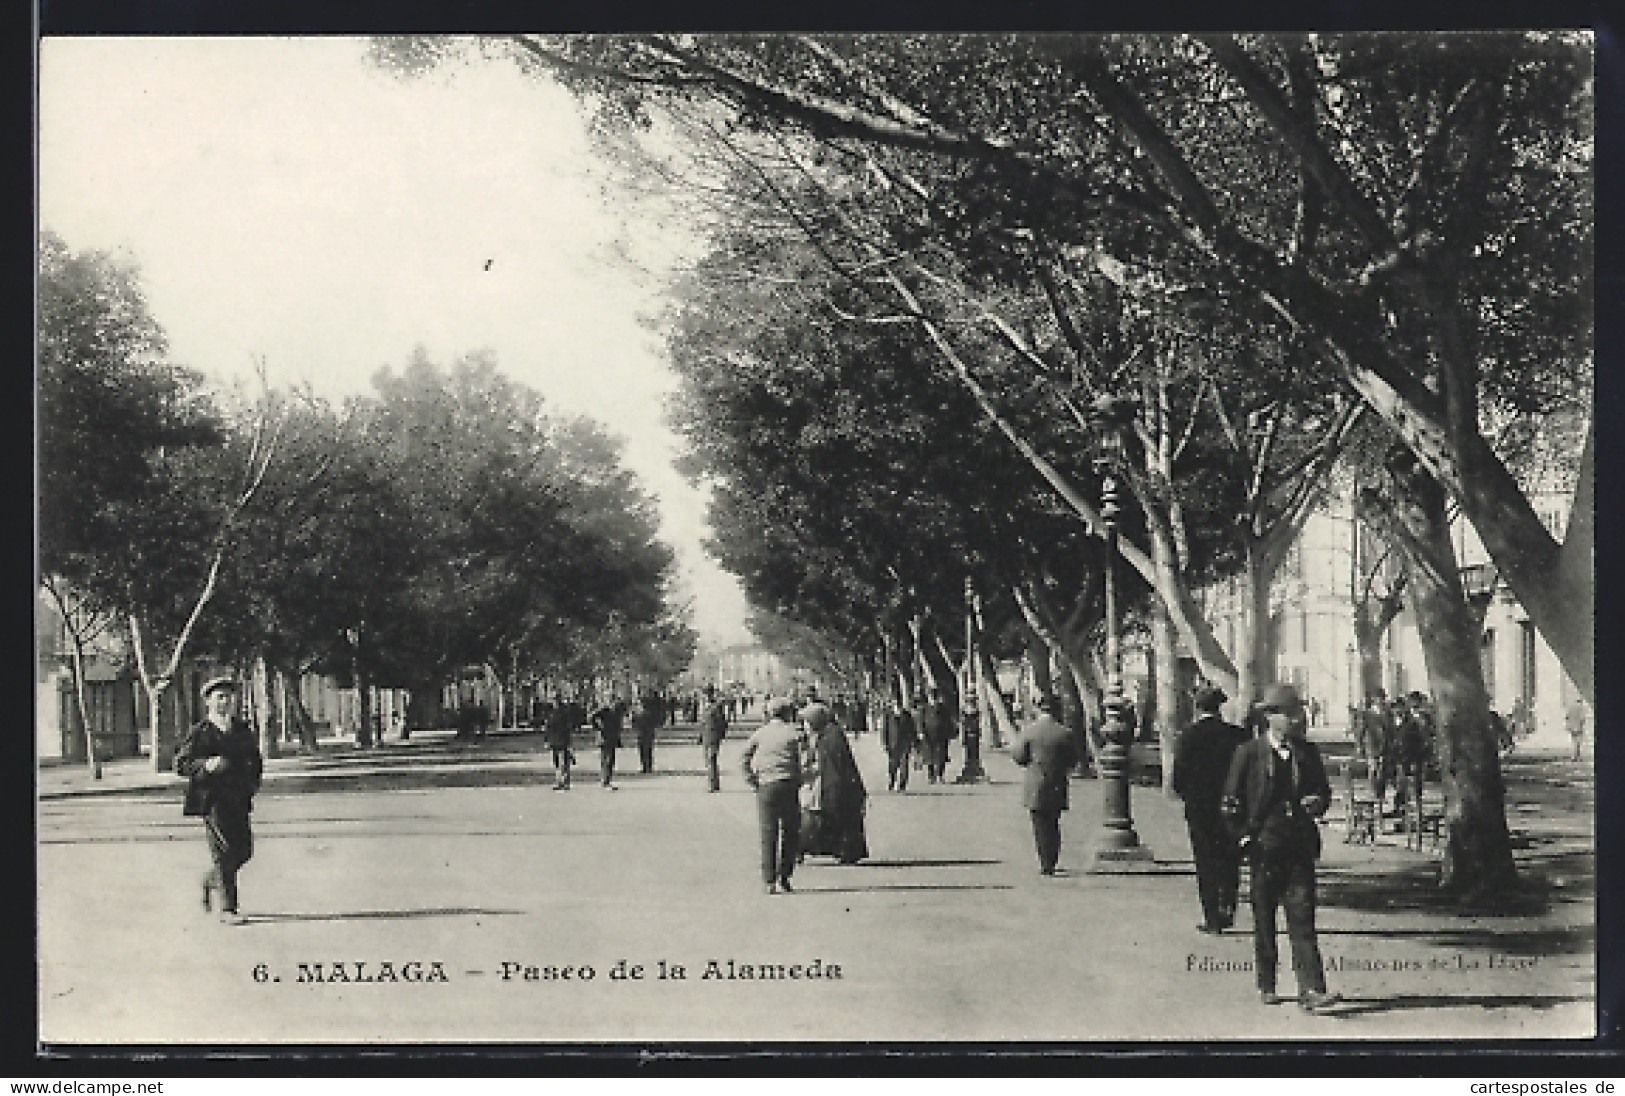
{"x":435,"y":851}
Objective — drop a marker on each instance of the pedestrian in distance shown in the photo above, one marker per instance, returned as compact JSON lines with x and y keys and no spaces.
{"x":775,"y":764}
{"x":608,"y":721}
{"x":560,"y":730}
{"x":713,"y":729}
{"x":1273,"y":796}
{"x":970,"y":722}
{"x":1201,"y":764}
{"x":936,"y":730}
{"x":1047,"y":750}
{"x":897,"y":735}
{"x":221,"y":761}
{"x":1575,"y":718}
{"x":651,"y":714}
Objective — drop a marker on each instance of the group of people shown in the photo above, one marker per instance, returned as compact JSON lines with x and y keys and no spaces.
{"x":923,"y":733}
{"x":1246,"y":797}
{"x":810,"y":796}
{"x":1258,"y":798}
{"x":1399,"y":739}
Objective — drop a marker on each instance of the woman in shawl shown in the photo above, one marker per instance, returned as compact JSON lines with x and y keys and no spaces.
{"x":832,"y":824}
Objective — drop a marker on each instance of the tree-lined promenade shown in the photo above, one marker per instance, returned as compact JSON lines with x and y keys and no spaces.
{"x":1311,"y":262}
{"x":965,"y":304}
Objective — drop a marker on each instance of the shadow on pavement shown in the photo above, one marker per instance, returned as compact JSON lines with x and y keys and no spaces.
{"x":1360,"y":1006}
{"x":925,"y":863}
{"x":902,"y":887}
{"x":374,"y":915}
{"x":1539,"y":943}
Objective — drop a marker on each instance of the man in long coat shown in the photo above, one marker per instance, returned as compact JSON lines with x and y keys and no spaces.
{"x":221,"y":760}
{"x":1201,"y":763}
{"x":897,"y":734}
{"x":1275,"y":792}
{"x":1047,"y":750}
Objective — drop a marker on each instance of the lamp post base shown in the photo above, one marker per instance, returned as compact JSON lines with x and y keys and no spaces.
{"x":1108,"y":860}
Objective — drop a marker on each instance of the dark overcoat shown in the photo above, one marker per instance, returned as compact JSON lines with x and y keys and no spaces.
{"x":1201,"y":764}
{"x":1048,"y":751}
{"x":1252,"y":808}
{"x":233,"y":784}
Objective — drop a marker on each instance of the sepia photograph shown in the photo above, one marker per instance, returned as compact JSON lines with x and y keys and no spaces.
{"x":553,"y":540}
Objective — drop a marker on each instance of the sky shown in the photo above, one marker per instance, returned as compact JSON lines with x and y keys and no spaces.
{"x":288,"y":201}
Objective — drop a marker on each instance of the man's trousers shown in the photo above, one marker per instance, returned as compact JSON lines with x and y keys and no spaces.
{"x":231,"y":845}
{"x":1218,"y":871}
{"x":897,"y":769}
{"x":778,"y":810}
{"x":1286,"y":879}
{"x":1047,"y":836}
{"x":712,"y":775}
{"x":561,"y":766}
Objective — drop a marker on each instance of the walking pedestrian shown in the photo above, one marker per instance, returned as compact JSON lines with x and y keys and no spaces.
{"x":1201,"y":764}
{"x":1575,"y":718}
{"x":1273,"y":795}
{"x":1047,"y":750}
{"x":970,"y":722}
{"x":713,"y":729}
{"x":560,"y":727}
{"x":650,"y":716}
{"x":608,"y":721}
{"x":898,"y":735}
{"x":833,"y":822}
{"x":775,"y":766}
{"x":936,"y":729}
{"x":221,"y":761}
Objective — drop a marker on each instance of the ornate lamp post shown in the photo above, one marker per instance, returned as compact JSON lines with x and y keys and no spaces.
{"x":1118,"y":848}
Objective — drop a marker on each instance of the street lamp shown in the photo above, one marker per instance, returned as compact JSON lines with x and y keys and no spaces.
{"x":1118,"y":848}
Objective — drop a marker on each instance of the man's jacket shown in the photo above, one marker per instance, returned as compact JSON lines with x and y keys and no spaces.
{"x":1259,"y":812}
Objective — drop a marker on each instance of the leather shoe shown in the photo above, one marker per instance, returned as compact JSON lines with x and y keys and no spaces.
{"x":773,"y":888}
{"x":1318,"y":1002}
{"x":784,"y":885}
{"x":1211,"y":930}
{"x":1269,"y":997}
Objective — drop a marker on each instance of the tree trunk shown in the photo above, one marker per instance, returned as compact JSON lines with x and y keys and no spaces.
{"x":268,"y":719}
{"x":1165,"y":662}
{"x":77,"y":669}
{"x":1002,"y":726}
{"x":1478,"y":861}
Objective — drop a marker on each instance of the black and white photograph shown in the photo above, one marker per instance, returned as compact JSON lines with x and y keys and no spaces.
{"x":815,"y":538}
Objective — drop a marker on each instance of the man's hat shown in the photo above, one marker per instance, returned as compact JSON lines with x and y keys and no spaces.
{"x":1281,"y":697}
{"x":219,"y":681}
{"x":781,"y":707}
{"x":1208,"y":698}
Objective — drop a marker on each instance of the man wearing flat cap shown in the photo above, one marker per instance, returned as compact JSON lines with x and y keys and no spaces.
{"x":775,"y":763}
{"x":221,"y":760}
{"x":1201,"y":763}
{"x":1275,"y":791}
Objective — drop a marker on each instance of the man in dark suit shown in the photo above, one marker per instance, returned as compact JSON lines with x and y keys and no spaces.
{"x":560,"y":726}
{"x":1201,"y":763}
{"x":1275,"y":791}
{"x":608,"y":721}
{"x":713,"y":729}
{"x":1047,"y":750}
{"x":936,"y":730}
{"x":221,"y":760}
{"x":898,"y":736}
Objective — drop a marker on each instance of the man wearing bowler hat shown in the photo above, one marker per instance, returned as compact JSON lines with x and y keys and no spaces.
{"x":1201,"y":763}
{"x":221,"y":760}
{"x":1275,"y":791}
